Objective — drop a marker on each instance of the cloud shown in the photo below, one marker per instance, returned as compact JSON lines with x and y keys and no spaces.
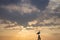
{"x":35,"y":13}
{"x":23,"y":8}
{"x":32,"y":22}
{"x":57,"y":11}
{"x":16,"y":14}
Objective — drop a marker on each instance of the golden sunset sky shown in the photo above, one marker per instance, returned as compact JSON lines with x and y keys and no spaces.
{"x":22,"y":19}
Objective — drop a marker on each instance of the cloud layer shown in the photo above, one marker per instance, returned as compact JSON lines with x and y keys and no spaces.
{"x":30,"y":12}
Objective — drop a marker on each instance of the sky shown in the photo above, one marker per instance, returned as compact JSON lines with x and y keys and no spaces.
{"x":20,"y":17}
{"x":23,"y":12}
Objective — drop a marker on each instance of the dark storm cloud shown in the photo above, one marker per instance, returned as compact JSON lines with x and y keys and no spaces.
{"x":40,"y":4}
{"x":17,"y":17}
{"x":7,"y":2}
{"x":23,"y":20}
